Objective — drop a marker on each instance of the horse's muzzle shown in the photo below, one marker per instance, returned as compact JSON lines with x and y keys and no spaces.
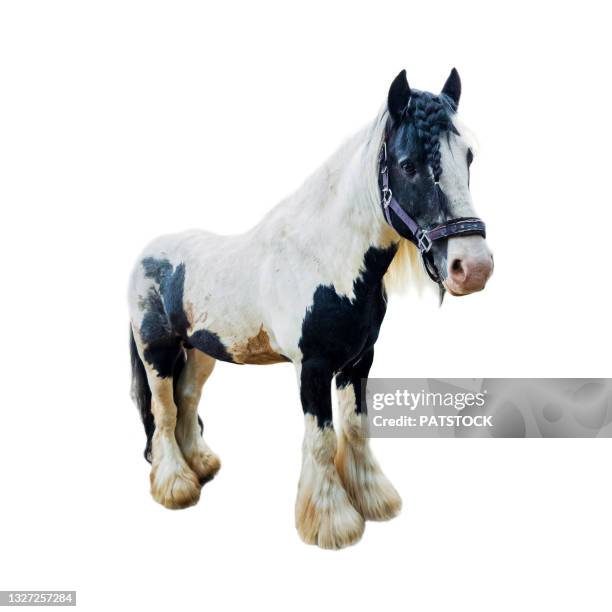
{"x":470,"y":265}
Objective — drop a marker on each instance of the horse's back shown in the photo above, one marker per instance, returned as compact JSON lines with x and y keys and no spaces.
{"x":180,"y":245}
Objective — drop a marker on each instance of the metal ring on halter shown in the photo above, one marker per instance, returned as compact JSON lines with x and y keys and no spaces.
{"x":424,"y":242}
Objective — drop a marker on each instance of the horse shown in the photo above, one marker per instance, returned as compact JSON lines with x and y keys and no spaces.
{"x":309,"y":285}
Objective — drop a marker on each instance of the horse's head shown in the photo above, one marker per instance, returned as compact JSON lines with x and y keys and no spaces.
{"x":425,"y":188}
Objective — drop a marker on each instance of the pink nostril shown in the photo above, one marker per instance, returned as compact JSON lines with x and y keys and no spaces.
{"x":470,"y":273}
{"x":457,"y":271}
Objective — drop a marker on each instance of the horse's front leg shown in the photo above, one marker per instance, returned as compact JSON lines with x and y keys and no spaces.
{"x":323,"y":513}
{"x":369,"y":489}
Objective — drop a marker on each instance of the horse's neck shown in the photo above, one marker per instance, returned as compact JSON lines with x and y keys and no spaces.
{"x":335,"y":216}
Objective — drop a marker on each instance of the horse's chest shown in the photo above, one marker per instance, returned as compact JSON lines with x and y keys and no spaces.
{"x":338,"y":329}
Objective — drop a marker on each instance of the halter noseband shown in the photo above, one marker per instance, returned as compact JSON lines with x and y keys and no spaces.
{"x":423,"y":239}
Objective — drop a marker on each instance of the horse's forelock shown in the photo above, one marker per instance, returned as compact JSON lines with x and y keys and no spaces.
{"x":431,"y":116}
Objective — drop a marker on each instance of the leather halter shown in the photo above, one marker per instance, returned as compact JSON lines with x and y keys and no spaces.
{"x":423,"y":238}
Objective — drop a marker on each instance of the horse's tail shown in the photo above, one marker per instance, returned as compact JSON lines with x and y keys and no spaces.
{"x":141,"y":394}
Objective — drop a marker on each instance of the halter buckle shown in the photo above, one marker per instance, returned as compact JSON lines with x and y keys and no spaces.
{"x":424,"y":242}
{"x":387,"y":194}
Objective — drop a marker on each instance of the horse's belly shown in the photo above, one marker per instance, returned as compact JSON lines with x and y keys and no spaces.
{"x":237,"y":336}
{"x":257,"y":350}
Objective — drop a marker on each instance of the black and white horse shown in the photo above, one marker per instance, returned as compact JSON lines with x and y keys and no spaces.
{"x":308,"y":285}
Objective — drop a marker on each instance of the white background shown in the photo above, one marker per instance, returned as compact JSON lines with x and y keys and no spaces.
{"x":123,"y":120}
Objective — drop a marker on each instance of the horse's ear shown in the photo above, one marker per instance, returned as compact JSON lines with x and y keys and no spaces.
{"x":452,"y":87}
{"x":399,"y":96}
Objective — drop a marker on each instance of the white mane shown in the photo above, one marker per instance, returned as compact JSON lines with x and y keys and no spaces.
{"x":345,"y":188}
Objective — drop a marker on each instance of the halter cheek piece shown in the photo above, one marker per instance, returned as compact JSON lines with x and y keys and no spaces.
{"x":422,"y":238}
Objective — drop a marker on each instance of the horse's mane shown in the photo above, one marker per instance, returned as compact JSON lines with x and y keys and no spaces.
{"x":353,"y":170}
{"x":406,"y":270}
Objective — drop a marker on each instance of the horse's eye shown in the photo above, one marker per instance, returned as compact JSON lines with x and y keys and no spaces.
{"x":409,"y":168}
{"x":470,"y":157}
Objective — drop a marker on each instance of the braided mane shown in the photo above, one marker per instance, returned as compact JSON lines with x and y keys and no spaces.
{"x":431,"y":116}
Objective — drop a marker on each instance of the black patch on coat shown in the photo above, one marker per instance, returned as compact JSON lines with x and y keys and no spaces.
{"x":209,"y":343}
{"x":165,"y":323}
{"x":315,"y":383}
{"x":161,"y":345}
{"x":357,"y":375}
{"x":171,"y":283}
{"x":338,"y":331}
{"x":470,"y":159}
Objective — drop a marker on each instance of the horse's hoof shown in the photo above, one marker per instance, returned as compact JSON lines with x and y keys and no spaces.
{"x":374,"y":497}
{"x":330,"y":523}
{"x":369,"y":490}
{"x":379,"y":501}
{"x":174,"y":489}
{"x":205,"y":464}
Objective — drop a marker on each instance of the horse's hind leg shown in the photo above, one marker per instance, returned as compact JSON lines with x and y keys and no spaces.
{"x":188,"y":392}
{"x":368,"y":488}
{"x":173,"y":482}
